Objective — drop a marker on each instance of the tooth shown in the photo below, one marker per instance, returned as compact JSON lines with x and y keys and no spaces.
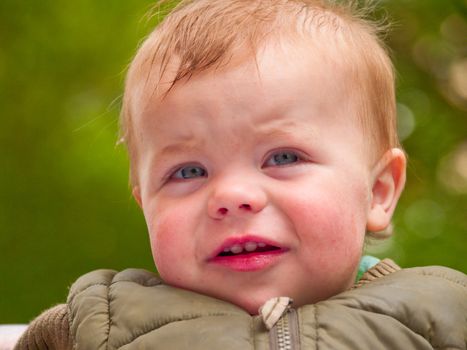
{"x":250,"y":246}
{"x":236,"y":249}
{"x":226,"y":250}
{"x":261,"y":245}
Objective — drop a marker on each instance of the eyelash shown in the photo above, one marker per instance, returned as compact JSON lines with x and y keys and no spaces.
{"x":184,"y":172}
{"x":285,"y":156}
{"x":192,"y":171}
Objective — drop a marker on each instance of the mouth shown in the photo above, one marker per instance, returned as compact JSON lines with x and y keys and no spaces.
{"x":249,"y":248}
{"x":247,"y":254}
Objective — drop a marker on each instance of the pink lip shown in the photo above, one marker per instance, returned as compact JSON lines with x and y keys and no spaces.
{"x":252,"y":261}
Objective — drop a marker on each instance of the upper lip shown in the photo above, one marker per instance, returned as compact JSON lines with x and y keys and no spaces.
{"x":242,"y":241}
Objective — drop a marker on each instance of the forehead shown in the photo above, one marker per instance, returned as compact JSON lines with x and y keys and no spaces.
{"x":277,"y":63}
{"x":267,"y":94}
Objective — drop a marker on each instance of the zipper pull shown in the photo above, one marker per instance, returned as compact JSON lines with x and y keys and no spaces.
{"x":273,"y":309}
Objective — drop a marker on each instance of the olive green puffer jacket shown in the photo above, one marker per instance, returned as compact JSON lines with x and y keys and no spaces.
{"x":417,"y":308}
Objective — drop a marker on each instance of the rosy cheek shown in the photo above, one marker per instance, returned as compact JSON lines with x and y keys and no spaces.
{"x":166,"y":246}
{"x":328,"y":225}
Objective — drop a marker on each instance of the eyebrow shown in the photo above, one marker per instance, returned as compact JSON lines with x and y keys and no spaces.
{"x":189,"y":146}
{"x":274,"y":133}
{"x":283,"y":131}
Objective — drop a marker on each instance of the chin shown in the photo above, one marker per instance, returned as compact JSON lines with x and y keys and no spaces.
{"x":251,"y":308}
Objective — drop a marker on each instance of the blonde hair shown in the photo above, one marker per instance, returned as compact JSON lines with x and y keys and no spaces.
{"x":207,"y":34}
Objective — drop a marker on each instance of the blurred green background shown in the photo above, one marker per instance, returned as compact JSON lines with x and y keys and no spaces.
{"x":65,"y":204}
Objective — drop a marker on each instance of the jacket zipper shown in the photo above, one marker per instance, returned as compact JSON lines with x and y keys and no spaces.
{"x":284,"y":335}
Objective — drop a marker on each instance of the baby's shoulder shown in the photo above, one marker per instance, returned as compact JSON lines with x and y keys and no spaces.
{"x":104,"y":279}
{"x":430,"y":302}
{"x":418,"y":292}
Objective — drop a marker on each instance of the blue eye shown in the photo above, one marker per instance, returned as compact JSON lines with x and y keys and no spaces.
{"x":282,"y":158}
{"x":189,"y":172}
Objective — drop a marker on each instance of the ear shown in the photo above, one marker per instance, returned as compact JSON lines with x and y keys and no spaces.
{"x":388,"y":180}
{"x":137,"y":195}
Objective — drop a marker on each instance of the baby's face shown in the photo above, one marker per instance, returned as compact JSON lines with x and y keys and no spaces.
{"x":255,"y":181}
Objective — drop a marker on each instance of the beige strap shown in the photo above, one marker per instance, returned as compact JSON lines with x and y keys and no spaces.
{"x":383,"y":268}
{"x":273,"y":309}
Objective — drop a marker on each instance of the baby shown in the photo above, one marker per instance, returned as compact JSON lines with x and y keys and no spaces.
{"x":263,"y":150}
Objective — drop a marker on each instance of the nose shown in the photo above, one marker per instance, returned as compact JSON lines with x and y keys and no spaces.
{"x":236,"y":198}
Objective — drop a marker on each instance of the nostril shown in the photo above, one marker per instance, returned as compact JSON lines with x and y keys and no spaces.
{"x":223,"y":211}
{"x":245,"y":206}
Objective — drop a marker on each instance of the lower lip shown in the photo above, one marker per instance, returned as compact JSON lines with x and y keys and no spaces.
{"x":249,"y":262}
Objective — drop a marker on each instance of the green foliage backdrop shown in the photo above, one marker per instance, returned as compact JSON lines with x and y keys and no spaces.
{"x":65,"y":204}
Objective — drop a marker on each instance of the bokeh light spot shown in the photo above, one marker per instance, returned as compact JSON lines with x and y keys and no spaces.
{"x":405,"y":121}
{"x":452,"y":170}
{"x":458,"y":78}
